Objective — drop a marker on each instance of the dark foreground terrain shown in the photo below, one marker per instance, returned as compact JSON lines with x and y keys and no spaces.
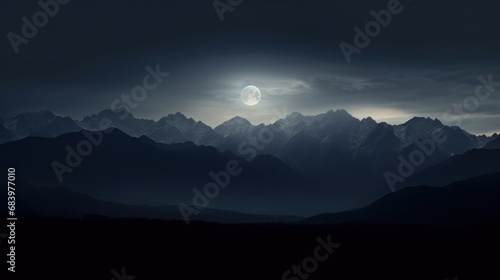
{"x":92,"y":248}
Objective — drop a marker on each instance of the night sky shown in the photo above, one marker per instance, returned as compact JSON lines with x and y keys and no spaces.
{"x":426,"y":60}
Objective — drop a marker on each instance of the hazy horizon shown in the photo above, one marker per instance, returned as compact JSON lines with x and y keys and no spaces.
{"x":400,"y":121}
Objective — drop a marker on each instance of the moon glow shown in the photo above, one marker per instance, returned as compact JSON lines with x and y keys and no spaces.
{"x":250,"y":95}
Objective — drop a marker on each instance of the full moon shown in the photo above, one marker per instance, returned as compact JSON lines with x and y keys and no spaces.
{"x":250,"y":95}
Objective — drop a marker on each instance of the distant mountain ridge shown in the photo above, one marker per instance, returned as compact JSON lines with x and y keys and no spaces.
{"x":494,"y":143}
{"x":42,"y":123}
{"x":336,"y":147}
{"x":333,"y":146}
{"x":124,"y":121}
{"x":177,"y":128}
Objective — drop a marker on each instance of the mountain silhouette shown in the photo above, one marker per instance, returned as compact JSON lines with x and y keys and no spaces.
{"x":125,"y":169}
{"x":494,"y":143}
{"x":457,"y":168}
{"x":341,"y":156}
{"x":468,"y":202}
{"x":41,"y":123}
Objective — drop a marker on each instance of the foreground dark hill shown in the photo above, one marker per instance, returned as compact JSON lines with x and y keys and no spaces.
{"x":127,"y":170}
{"x":473,"y":201}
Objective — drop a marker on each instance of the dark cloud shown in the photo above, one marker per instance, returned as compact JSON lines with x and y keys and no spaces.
{"x":427,"y":59}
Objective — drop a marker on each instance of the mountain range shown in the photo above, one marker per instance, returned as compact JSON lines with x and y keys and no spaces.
{"x":299,"y":165}
{"x":332,"y":146}
{"x":337,"y":127}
